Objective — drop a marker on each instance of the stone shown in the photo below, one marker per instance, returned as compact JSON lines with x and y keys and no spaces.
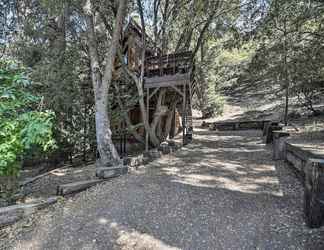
{"x":111,"y":172}
{"x":134,"y":161}
{"x":165,"y":148}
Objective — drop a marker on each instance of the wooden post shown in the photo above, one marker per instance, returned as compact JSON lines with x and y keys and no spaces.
{"x":184,"y":115}
{"x":148,"y":119}
{"x":314,"y":193}
{"x":279,"y":145}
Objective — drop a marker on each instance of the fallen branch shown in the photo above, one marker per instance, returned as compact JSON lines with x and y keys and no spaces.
{"x":11,"y":214}
{"x":76,"y":187}
{"x":30,"y":180}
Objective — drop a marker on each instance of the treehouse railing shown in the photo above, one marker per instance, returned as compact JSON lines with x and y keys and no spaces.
{"x":171,"y":64}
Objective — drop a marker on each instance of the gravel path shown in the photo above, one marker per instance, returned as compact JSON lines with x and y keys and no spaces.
{"x":221,"y":192}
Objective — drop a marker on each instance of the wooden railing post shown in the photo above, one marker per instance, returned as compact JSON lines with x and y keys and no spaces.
{"x":314,"y":193}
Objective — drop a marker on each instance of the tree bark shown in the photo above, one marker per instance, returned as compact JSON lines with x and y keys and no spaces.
{"x":139,"y":83}
{"x":157,"y":117}
{"x":108,"y":155}
{"x":168,"y":123}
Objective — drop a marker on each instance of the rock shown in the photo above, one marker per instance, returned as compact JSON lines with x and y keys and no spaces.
{"x":165,"y":148}
{"x":75,"y":187}
{"x":134,"y":161}
{"x":105,"y":173}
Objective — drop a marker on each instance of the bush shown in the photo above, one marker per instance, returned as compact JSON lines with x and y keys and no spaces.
{"x":215,"y":103}
{"x":22,"y":124}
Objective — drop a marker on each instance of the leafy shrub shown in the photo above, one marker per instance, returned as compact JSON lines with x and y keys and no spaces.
{"x":22,"y":124}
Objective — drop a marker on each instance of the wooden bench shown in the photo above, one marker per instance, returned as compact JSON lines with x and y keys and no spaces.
{"x":309,"y":163}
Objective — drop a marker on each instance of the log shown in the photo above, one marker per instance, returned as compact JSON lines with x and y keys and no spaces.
{"x":106,"y":173}
{"x":31,"y":180}
{"x":75,"y":187}
{"x":11,"y":214}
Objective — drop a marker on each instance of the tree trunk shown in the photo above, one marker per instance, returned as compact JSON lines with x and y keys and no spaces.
{"x":139,"y":84}
{"x":157,"y":117}
{"x":108,"y":154}
{"x":169,"y":119}
{"x":287,"y":83}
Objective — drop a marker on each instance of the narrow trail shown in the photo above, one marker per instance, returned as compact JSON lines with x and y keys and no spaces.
{"x":221,"y":192}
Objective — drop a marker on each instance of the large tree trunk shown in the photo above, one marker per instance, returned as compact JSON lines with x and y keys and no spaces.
{"x":157,"y":117}
{"x":139,"y":84}
{"x":107,"y":151}
{"x":169,"y":119}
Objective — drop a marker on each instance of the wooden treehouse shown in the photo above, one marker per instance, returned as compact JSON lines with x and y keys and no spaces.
{"x":172,"y":73}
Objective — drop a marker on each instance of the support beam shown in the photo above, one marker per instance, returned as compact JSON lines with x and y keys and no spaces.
{"x":154,"y":92}
{"x":177,"y":90}
{"x":148,"y":119}
{"x":184,"y":116}
{"x":166,"y":84}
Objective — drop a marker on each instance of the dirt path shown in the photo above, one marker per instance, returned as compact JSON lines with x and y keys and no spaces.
{"x":221,"y":192}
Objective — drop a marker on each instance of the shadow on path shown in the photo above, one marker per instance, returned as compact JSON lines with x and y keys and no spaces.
{"x":221,"y":192}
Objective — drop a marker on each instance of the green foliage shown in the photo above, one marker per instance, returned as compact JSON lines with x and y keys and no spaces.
{"x":232,"y":63}
{"x":22,"y":126}
{"x":291,"y":52}
{"x":215,"y":100}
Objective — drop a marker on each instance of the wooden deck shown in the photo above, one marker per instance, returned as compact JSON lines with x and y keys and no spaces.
{"x":168,"y":70}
